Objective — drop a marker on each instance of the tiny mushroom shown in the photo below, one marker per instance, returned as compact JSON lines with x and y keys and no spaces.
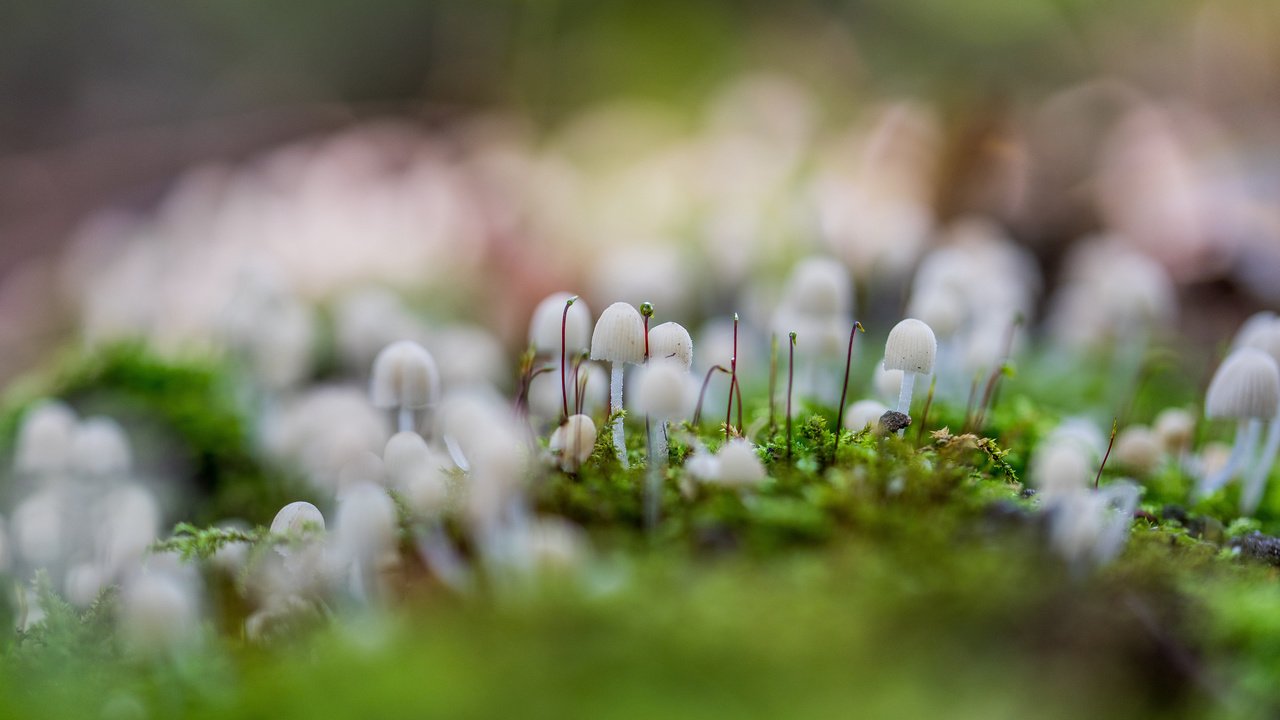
{"x":911,"y":348}
{"x":405,"y":378}
{"x":618,"y":338}
{"x":1245,"y":388}
{"x":574,"y":441}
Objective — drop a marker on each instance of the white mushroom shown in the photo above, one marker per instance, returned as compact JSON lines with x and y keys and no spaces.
{"x":619,"y":339}
{"x":405,"y":378}
{"x":1245,"y":388}
{"x":911,"y":348}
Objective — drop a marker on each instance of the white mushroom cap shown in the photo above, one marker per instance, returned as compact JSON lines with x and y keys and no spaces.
{"x":365,"y":521}
{"x":1246,"y":385}
{"x":864,"y":413}
{"x":1174,"y":427}
{"x":404,"y":375}
{"x":1262,"y":336}
{"x":1138,"y":448}
{"x":574,"y":441}
{"x":887,"y":382}
{"x":544,"y":327}
{"x":45,"y":438}
{"x":83,"y":583}
{"x":663,"y":389}
{"x":619,"y":335}
{"x":819,"y":286}
{"x":365,"y":467}
{"x":670,"y":341}
{"x":940,"y":307}
{"x":740,"y":465}
{"x":157,"y":611}
{"x":911,"y":347}
{"x":405,"y":452}
{"x":1059,"y":469}
{"x":100,"y":448}
{"x":1252,"y":326}
{"x":296,"y":516}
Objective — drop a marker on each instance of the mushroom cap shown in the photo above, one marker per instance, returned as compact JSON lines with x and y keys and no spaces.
{"x":1139,"y":449}
{"x":574,"y":441}
{"x":404,"y":375}
{"x":1264,"y":336}
{"x":670,"y":341}
{"x":863,"y":413}
{"x":911,"y":347}
{"x":365,"y":467}
{"x":366,"y":520}
{"x":887,"y":383}
{"x":295,"y":516}
{"x":663,"y":390}
{"x":939,"y":306}
{"x":819,"y":286}
{"x":157,"y":611}
{"x":740,"y":466}
{"x":544,"y":327}
{"x":1246,"y":385}
{"x":405,"y":451}
{"x":619,"y":335}
{"x":45,"y":438}
{"x":1175,"y":427}
{"x":100,"y":448}
{"x":1060,"y":469}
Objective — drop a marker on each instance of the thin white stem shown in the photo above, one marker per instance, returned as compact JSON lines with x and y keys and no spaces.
{"x":615,"y":404}
{"x":1246,"y":438}
{"x":405,"y":421}
{"x":904,"y":394}
{"x":657,"y":465}
{"x":1256,"y":483}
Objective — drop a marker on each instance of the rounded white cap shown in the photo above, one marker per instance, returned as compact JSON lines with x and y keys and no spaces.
{"x":670,"y":341}
{"x":663,"y":390}
{"x":1138,"y":448}
{"x":157,"y":611}
{"x":911,"y":347}
{"x":366,"y":521}
{"x":1246,"y":385}
{"x":365,"y":467}
{"x":619,"y":335}
{"x":819,"y":286}
{"x":1059,"y":469}
{"x":544,"y":327}
{"x":740,"y":465}
{"x":405,"y":452}
{"x":404,"y":375}
{"x":574,"y":441}
{"x":100,"y":448}
{"x":45,"y":438}
{"x":1175,"y":427}
{"x":863,"y":413}
{"x":296,"y":516}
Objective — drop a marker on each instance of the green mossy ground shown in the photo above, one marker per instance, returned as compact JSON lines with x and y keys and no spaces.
{"x":906,"y":578}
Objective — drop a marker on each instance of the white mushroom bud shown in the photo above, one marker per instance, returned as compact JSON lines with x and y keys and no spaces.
{"x":573,"y":442}
{"x":404,"y":378}
{"x":888,"y":383}
{"x":1245,"y":388}
{"x":1138,"y":448}
{"x":864,"y":413}
{"x":911,"y":348}
{"x":740,"y":465}
{"x":365,"y":523}
{"x":819,"y":287}
{"x":101,"y":449}
{"x":663,"y":390}
{"x":45,"y":438}
{"x":670,"y":341}
{"x":1060,"y":469}
{"x":404,"y":454}
{"x":545,"y":326}
{"x":1175,"y":428}
{"x":157,"y":612}
{"x":619,"y":339}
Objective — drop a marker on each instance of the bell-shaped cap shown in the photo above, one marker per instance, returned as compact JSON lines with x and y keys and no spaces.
{"x":544,"y":327}
{"x":911,"y":347}
{"x":296,"y":517}
{"x":574,"y":441}
{"x":45,"y":438}
{"x":819,"y":286}
{"x":671,"y":342}
{"x":619,"y":335}
{"x":404,"y":376}
{"x":1246,"y":385}
{"x":365,"y":521}
{"x":100,"y":448}
{"x":663,"y":390}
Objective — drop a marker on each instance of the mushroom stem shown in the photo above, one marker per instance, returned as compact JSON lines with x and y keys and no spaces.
{"x":405,"y":419}
{"x":657,"y":464}
{"x":904,"y":394}
{"x":1246,"y":440}
{"x":615,"y":404}
{"x":1256,"y":483}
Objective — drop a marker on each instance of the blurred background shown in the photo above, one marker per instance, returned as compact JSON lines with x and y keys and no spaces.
{"x":432,"y":146}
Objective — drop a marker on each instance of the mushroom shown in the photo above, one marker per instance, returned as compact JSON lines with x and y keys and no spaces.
{"x":663,"y":391}
{"x":405,"y":378}
{"x":911,"y":348}
{"x":863,"y":413}
{"x":100,"y":449}
{"x":1262,"y":333}
{"x":1245,"y":388}
{"x":619,"y":339}
{"x":574,"y":441}
{"x":670,"y":341}
{"x":561,"y":324}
